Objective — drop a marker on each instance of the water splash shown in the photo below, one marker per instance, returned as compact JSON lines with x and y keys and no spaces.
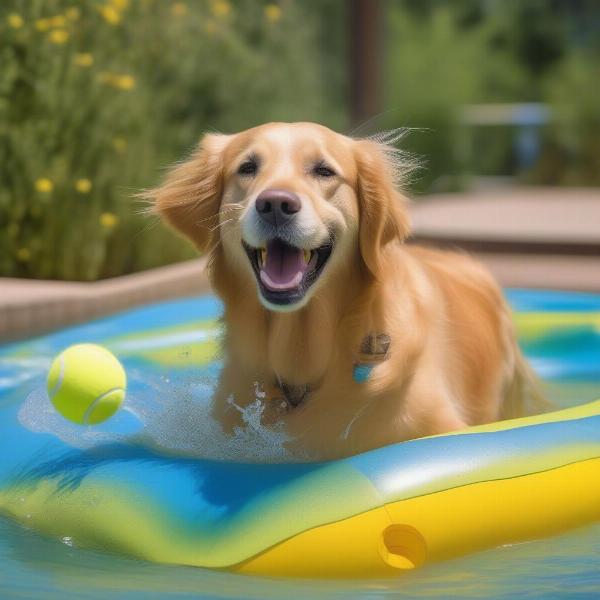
{"x":170,"y":416}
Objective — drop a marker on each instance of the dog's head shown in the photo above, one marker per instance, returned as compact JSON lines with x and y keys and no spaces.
{"x":287,"y":205}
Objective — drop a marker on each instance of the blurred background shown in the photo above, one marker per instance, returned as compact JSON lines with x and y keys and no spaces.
{"x":97,"y":97}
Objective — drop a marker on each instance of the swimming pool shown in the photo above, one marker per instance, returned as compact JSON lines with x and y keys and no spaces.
{"x":161,"y":347}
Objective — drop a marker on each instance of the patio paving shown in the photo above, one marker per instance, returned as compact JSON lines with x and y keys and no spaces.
{"x":536,"y":220}
{"x":528,"y":236}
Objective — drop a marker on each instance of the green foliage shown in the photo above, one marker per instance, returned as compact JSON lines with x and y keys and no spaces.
{"x":443,"y":54}
{"x":436,"y":66}
{"x":571,"y":154}
{"x":97,"y":96}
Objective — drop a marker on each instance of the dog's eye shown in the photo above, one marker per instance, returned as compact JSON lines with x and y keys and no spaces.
{"x":248,"y":167}
{"x":322,"y":170}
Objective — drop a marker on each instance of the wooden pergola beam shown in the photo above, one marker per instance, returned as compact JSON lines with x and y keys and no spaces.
{"x":365,"y":59}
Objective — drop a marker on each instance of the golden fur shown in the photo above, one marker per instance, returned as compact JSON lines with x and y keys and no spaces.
{"x":453,"y":358}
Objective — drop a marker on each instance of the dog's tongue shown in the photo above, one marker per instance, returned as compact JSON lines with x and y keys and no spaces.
{"x":283,"y":268}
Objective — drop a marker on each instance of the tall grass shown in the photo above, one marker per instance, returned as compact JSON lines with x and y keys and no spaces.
{"x":96,"y":96}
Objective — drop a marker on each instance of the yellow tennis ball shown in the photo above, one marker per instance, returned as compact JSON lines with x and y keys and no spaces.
{"x":86,"y":384}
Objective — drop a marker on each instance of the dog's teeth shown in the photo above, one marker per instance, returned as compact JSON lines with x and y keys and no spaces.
{"x":307,"y":255}
{"x":263,"y":255}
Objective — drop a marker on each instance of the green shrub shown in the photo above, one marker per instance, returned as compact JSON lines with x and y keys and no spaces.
{"x":436,"y":65}
{"x":96,"y":97}
{"x":443,"y":55}
{"x":571,"y":149}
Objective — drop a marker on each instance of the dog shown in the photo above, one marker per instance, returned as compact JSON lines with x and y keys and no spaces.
{"x":350,"y":337}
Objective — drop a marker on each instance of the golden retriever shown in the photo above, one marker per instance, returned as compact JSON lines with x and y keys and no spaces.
{"x":351,"y":338}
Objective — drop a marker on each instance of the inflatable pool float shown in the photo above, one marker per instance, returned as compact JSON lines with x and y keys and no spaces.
{"x":370,"y":515}
{"x":376,"y":514}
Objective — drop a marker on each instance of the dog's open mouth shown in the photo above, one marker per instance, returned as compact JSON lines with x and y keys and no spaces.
{"x":284,"y":272}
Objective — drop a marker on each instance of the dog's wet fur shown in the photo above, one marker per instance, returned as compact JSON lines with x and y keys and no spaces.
{"x":305,"y":232}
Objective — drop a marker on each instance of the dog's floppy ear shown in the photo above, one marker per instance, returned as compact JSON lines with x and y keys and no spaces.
{"x":190,"y":197}
{"x":383,"y":215}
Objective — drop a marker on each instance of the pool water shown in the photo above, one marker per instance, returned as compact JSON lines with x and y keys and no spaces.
{"x":170,"y":352}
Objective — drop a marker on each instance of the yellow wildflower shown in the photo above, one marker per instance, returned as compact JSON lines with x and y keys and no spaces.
{"x":58,"y":36}
{"x":83,"y":59}
{"x":110,"y":14}
{"x":120,"y":4}
{"x":15,"y":21}
{"x":122,"y":82}
{"x":73,"y":13}
{"x":44,"y":185}
{"x":58,"y":21}
{"x":106,"y":77}
{"x":43,"y":24}
{"x":119,"y":144}
{"x":23,"y":254}
{"x":273,"y":12}
{"x":108,"y":220}
{"x":221,"y":8}
{"x":83,"y":186}
{"x":210,"y":27}
{"x":125,"y":82}
{"x":179,"y":9}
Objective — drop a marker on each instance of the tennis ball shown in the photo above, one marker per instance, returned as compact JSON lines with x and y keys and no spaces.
{"x":86,"y":384}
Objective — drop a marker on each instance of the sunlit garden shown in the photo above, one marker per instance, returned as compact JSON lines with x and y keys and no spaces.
{"x":97,"y":97}
{"x":352,"y":361}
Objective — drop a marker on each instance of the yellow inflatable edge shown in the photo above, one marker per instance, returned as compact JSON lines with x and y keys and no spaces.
{"x":403,"y":535}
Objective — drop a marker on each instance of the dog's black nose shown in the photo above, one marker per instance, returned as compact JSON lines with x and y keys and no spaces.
{"x":277,"y":207}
